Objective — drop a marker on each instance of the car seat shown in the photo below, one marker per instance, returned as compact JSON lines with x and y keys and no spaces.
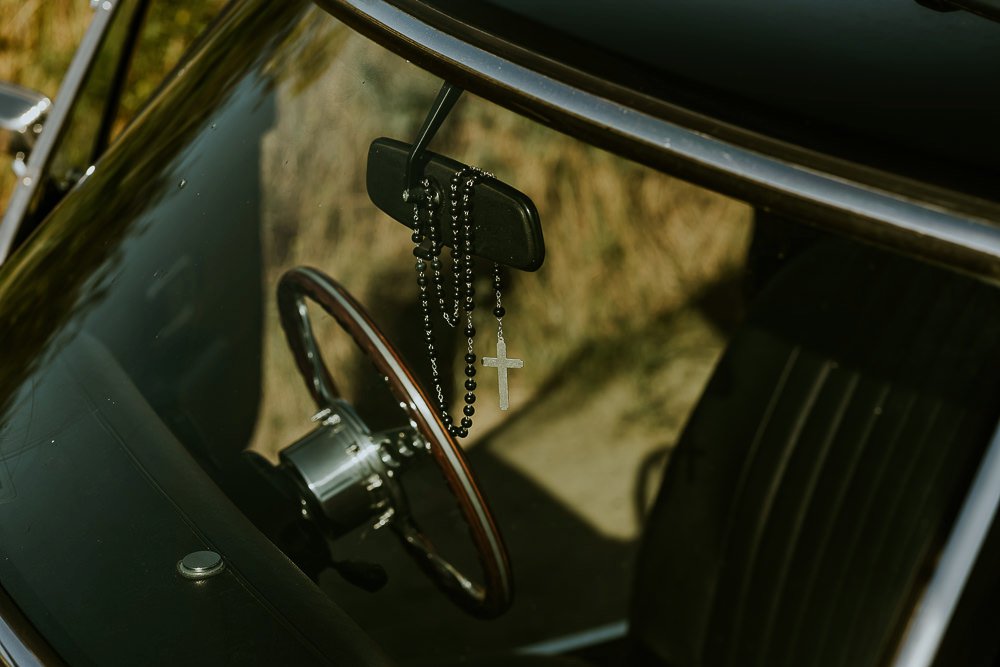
{"x":816,"y":481}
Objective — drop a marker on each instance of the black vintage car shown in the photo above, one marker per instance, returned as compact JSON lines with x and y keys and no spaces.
{"x":385,"y":333}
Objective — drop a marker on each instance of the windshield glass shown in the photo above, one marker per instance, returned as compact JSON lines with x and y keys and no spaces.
{"x":731,"y":434}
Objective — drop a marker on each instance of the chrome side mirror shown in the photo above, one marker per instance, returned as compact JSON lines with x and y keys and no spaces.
{"x":22,"y":113}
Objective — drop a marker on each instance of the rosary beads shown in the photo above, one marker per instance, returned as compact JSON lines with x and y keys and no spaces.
{"x":426,"y":228}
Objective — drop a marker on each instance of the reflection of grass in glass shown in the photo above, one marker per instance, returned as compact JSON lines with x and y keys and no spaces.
{"x":169,"y":28}
{"x":38,"y":39}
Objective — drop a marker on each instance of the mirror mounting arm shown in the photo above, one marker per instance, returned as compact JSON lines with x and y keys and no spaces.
{"x":442,"y":106}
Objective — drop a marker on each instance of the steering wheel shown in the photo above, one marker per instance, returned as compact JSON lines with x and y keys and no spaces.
{"x":357,"y":477}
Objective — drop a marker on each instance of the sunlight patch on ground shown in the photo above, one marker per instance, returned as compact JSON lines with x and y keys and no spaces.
{"x":586,"y":438}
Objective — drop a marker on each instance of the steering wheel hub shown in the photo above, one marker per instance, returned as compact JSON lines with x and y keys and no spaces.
{"x":350,"y":473}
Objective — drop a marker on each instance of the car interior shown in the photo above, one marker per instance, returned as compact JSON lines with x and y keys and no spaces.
{"x":733,"y":438}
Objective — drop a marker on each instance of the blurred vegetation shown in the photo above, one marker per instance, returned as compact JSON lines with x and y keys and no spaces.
{"x":170,"y":27}
{"x":627,"y":247}
{"x":38,"y":39}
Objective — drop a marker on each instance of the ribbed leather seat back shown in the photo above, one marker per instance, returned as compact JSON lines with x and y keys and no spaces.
{"x":815,"y":483}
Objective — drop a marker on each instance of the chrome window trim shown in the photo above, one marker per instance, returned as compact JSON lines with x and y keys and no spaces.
{"x":41,"y":154}
{"x":937,"y":605}
{"x":967,"y":241}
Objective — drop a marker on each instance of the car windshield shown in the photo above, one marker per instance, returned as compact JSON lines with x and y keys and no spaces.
{"x":731,"y":434}
{"x":645,"y":279}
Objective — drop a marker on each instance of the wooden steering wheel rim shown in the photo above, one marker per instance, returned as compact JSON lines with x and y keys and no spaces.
{"x":298,"y":284}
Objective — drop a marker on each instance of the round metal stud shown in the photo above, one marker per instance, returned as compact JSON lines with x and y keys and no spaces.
{"x":201,"y":565}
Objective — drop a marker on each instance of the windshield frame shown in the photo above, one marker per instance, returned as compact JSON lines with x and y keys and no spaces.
{"x":912,"y":217}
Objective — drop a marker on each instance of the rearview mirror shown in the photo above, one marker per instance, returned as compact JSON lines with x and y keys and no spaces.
{"x":21,"y":114}
{"x":507,"y":228}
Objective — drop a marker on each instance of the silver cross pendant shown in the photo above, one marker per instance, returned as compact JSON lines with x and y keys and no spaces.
{"x":502,"y":363}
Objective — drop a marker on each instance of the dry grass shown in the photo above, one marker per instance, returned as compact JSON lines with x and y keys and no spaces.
{"x":628,"y":249}
{"x":39,"y":37}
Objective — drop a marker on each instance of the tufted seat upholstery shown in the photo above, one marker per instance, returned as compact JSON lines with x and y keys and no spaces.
{"x":816,"y":481}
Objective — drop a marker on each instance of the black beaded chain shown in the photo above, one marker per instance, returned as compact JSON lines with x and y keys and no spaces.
{"x":463,"y":184}
{"x":498,"y":309}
